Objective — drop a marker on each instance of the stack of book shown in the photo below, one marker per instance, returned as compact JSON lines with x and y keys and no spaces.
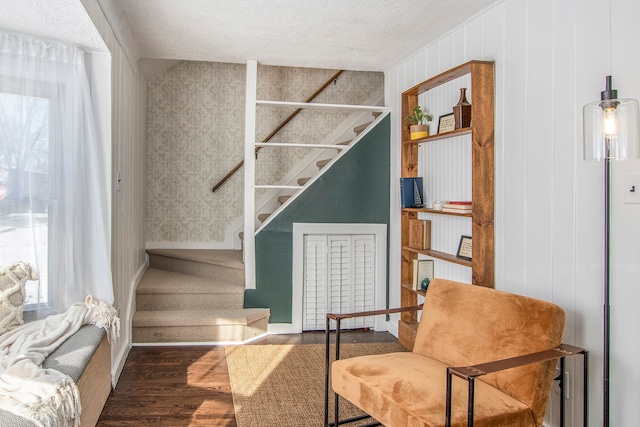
{"x":457,"y":207}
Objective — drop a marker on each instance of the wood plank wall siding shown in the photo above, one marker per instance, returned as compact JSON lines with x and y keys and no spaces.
{"x":551,"y":58}
{"x":128,"y":150}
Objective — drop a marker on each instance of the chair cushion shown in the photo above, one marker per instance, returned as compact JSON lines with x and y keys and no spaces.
{"x":409,"y":389}
{"x":464,"y":325}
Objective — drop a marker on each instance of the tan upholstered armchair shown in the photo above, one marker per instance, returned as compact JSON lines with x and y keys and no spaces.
{"x":509,"y":342}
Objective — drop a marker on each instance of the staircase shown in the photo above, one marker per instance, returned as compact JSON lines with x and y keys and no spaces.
{"x":195,"y":296}
{"x":284,"y":196}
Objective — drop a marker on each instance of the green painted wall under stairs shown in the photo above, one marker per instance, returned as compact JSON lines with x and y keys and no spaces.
{"x":354,"y":190}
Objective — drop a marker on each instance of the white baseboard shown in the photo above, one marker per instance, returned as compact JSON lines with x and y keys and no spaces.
{"x":189,"y":245}
{"x":207,"y":343}
{"x":281,"y":328}
{"x":118,"y":360}
{"x":392,"y":327}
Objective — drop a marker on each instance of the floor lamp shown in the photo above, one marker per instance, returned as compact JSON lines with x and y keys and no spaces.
{"x":611,"y":133}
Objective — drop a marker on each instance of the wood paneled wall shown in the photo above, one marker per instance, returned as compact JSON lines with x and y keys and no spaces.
{"x":128,"y":180}
{"x":551,"y":58}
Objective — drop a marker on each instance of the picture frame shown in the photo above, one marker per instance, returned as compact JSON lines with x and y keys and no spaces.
{"x":465,"y":248}
{"x":446,"y":123}
{"x":422,"y":269}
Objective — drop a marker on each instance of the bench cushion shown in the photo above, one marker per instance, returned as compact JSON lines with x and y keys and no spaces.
{"x":70,"y":358}
{"x":408,"y":389}
{"x":73,"y":355}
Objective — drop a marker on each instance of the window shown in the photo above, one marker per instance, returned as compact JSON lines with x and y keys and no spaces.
{"x":24,"y":187}
{"x":54,"y":175}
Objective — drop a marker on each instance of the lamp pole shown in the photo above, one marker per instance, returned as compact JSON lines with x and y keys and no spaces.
{"x":606,"y":316}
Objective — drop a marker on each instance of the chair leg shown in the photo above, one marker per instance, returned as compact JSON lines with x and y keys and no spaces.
{"x":471,"y":401}
{"x":326,"y":372}
{"x":336,"y":406}
{"x":447,"y":417}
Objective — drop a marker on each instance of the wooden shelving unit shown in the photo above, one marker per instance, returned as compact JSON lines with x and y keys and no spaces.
{"x":482,"y":162}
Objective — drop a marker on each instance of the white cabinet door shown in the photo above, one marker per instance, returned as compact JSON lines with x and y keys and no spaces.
{"x":339,"y":277}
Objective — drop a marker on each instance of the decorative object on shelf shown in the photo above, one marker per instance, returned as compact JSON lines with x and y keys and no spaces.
{"x":610,"y":133}
{"x":457,"y":207}
{"x":464,"y":248}
{"x":420,"y":233}
{"x":422,"y":273}
{"x":446,"y":123}
{"x":418,"y":123}
{"x":462,"y":111}
{"x":439,"y":204}
{"x":411,"y":192}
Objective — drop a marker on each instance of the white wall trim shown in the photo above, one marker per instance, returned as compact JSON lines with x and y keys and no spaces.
{"x":301,"y":229}
{"x":189,"y":245}
{"x":118,"y":360}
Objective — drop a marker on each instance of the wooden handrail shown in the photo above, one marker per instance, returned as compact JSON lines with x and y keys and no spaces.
{"x":278,"y":128}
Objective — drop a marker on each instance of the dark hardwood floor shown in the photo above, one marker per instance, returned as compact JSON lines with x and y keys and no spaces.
{"x":189,"y":386}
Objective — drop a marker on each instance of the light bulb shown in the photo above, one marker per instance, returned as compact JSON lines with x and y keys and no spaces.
{"x":610,"y":125}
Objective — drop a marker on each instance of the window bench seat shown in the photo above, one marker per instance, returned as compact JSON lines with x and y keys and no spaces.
{"x":86,"y":358}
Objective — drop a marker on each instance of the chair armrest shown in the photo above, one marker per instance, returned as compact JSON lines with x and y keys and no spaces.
{"x":469,"y":373}
{"x":563,"y":350}
{"x":340,"y":316}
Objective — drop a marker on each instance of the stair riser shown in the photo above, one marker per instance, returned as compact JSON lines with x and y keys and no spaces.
{"x":207,"y":271}
{"x":220,"y":333}
{"x":156,"y":302}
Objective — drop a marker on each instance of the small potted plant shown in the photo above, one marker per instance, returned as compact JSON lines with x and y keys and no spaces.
{"x":418,"y":123}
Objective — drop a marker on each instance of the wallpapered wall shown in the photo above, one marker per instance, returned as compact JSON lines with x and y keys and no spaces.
{"x":195,"y":128}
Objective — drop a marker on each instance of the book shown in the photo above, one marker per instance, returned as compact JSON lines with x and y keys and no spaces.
{"x":457,"y":211}
{"x":422,"y":274}
{"x":420,"y":233}
{"x":457,"y":207}
{"x":411,"y":195}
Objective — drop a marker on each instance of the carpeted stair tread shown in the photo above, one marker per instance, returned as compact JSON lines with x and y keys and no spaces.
{"x":360,"y":128}
{"x":322,"y":163}
{"x":225,"y":257}
{"x":303,"y":181}
{"x":156,"y":281}
{"x":219,"y":317}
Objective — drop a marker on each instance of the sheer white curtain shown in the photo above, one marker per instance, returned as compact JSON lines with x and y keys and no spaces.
{"x":54,"y":174}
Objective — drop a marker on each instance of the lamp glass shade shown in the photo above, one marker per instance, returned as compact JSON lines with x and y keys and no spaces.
{"x":611,"y":130}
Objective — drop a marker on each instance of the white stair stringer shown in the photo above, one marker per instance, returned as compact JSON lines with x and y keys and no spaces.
{"x":307,"y":168}
{"x":317,"y":174}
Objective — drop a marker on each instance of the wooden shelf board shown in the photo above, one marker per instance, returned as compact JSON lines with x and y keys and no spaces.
{"x":409,"y":287}
{"x":440,"y":255}
{"x":458,"y":132}
{"x":444,"y":77}
{"x":433,"y":211}
{"x":412,"y":325}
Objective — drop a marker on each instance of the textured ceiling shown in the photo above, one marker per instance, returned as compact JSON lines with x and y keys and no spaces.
{"x":368,"y":35}
{"x":60,"y":20}
{"x":350,"y":34}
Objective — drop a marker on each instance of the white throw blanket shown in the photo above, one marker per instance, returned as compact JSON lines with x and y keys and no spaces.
{"x":46,"y":396}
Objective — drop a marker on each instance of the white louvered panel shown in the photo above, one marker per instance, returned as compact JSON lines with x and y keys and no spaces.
{"x":363,"y":289}
{"x":315,"y":282}
{"x":339,"y":273}
{"x":339,"y":277}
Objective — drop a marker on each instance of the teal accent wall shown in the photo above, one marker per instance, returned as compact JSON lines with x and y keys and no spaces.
{"x":354,"y":190}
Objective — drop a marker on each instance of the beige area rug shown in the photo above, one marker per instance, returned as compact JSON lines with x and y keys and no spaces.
{"x":283,"y":385}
